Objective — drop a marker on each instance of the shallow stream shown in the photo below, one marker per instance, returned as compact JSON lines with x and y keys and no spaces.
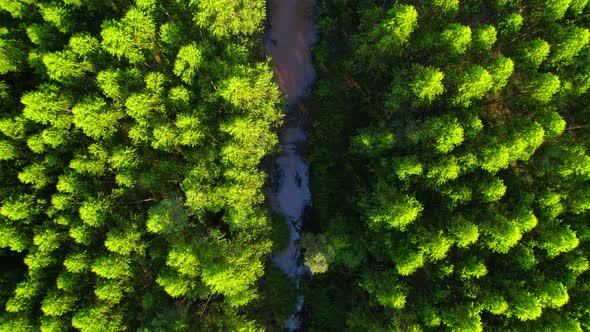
{"x":288,"y":42}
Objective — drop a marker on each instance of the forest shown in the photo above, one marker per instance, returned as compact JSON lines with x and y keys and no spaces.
{"x":448,"y":148}
{"x":457,"y":134}
{"x":131,"y":139}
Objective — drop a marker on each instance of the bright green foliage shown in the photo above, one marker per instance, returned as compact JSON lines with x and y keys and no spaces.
{"x":254,"y":92}
{"x":188,"y":62}
{"x":525,"y":306}
{"x":232,"y":276}
{"x":510,"y":24}
{"x":249,"y":142}
{"x":484,"y":37}
{"x":84,"y":45}
{"x":77,"y":262}
{"x":568,"y":42}
{"x":501,"y":69}
{"x":35,"y":175}
{"x":492,"y":189}
{"x":501,"y":234}
{"x":98,"y":317}
{"x":526,"y":220}
{"x":534,"y":52}
{"x":142,"y":107}
{"x":92,"y":162}
{"x":557,"y":239}
{"x":318,"y":253}
{"x":391,"y":209}
{"x":10,"y":237}
{"x":110,"y":291}
{"x":408,"y":261}
{"x":179,"y":96}
{"x":552,"y":10}
{"x":95,"y":119}
{"x":7,"y":151}
{"x":69,"y":282}
{"x":190,"y":129}
{"x":472,"y":85}
{"x":129,"y":37}
{"x":463,"y":232}
{"x":460,"y":194}
{"x":94,"y":211}
{"x":108,"y":81}
{"x":456,"y":39}
{"x":13,"y":127}
{"x":47,"y":106}
{"x":19,"y":208}
{"x":63,"y":67}
{"x":436,"y":247}
{"x":224,"y":18}
{"x":443,"y":170}
{"x":57,"y":15}
{"x":387,"y":288}
{"x":124,"y":159}
{"x":15,"y":8}
{"x":82,"y":234}
{"x":124,"y":241}
{"x":446,"y":6}
{"x":112,"y":267}
{"x":427,"y":84}
{"x":444,"y":134}
{"x":11,"y":55}
{"x":553,"y":294}
{"x":495,"y":158}
{"x":176,"y":285}
{"x":171,"y":33}
{"x":38,"y":260}
{"x":167,"y":217}
{"x":495,"y":304}
{"x":542,"y":87}
{"x":53,"y":324}
{"x":48,"y":240}
{"x":472,"y":269}
{"x":401,"y":21}
{"x":553,"y":124}
{"x":24,"y":293}
{"x":41,"y":34}
{"x":183,"y":258}
{"x":405,"y":167}
{"x":58,"y":303}
{"x":577,"y":6}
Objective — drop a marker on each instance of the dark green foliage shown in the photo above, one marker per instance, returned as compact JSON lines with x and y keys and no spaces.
{"x":450,"y":172}
{"x":280,"y":234}
{"x":281,"y":293}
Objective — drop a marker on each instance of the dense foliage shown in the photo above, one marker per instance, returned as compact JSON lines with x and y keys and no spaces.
{"x":131,"y":136}
{"x":456,"y":133}
{"x":449,"y":152}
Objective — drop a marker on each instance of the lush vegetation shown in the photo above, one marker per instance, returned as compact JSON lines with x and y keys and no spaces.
{"x":456,"y":133}
{"x":449,"y":152}
{"x":131,"y":137}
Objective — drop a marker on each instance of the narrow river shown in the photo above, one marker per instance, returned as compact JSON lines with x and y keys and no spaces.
{"x":288,"y":43}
